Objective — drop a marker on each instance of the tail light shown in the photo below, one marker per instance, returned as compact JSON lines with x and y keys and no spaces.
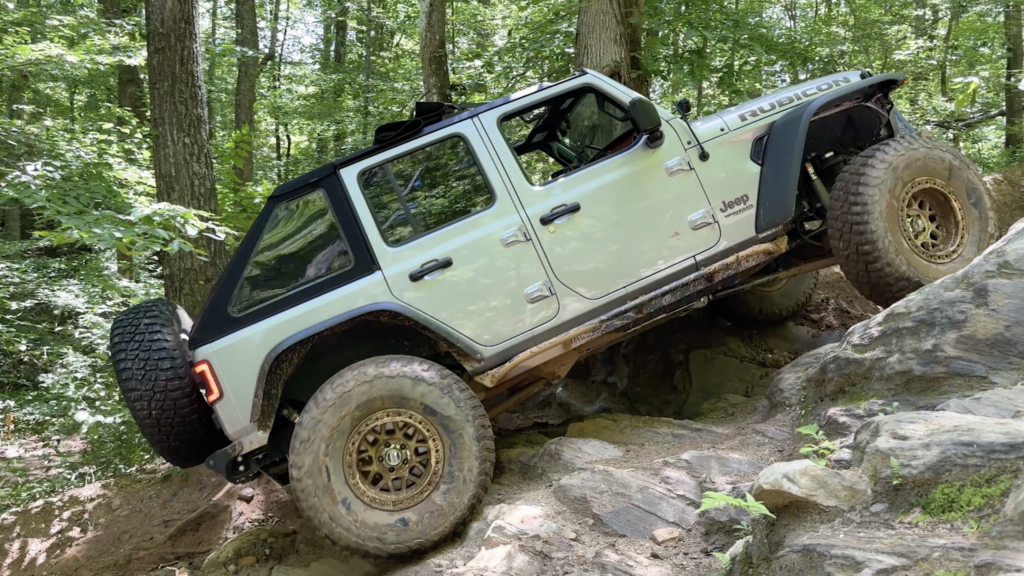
{"x":208,"y":381}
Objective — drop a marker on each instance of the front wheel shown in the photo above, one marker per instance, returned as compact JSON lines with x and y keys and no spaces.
{"x":391,"y":455}
{"x":905,"y":213}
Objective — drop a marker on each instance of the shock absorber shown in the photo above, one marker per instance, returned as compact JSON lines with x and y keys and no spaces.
{"x":817,"y":184}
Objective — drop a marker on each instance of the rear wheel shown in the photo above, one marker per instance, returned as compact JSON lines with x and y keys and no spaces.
{"x":149,"y":349}
{"x":391,"y":455}
{"x":907,"y":212}
{"x":771,"y":302}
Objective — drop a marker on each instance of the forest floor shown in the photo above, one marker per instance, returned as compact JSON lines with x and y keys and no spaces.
{"x":159,"y":518}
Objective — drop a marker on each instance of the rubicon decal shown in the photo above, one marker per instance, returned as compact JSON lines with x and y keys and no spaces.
{"x":792,"y":98}
{"x":735,"y":206}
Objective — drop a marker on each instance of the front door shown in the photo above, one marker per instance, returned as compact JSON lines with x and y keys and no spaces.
{"x":607,"y":209}
{"x":448,"y":237}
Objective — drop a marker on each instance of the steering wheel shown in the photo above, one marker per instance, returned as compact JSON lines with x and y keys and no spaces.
{"x":615,"y":145}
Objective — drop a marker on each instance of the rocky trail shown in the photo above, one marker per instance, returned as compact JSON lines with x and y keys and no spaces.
{"x":919,"y":422}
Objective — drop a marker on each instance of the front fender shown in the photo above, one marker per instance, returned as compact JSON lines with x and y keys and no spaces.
{"x":784,"y":152}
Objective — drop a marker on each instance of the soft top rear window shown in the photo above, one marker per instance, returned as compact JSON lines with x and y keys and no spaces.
{"x":302,"y":244}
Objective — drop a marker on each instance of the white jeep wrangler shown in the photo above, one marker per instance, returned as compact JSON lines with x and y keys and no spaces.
{"x":383,"y":308}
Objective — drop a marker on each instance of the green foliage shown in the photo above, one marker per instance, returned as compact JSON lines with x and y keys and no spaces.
{"x":752,"y":506}
{"x":55,"y":376}
{"x":821,"y":448}
{"x":725,"y":560}
{"x":897,"y":470}
{"x":970,"y":499}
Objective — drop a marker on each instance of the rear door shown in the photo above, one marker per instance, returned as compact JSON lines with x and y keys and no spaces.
{"x":448,"y":237}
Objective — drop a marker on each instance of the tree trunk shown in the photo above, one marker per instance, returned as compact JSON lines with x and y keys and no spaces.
{"x":1014,"y":63}
{"x":434,"y":51}
{"x":248,"y":43}
{"x":367,"y":65}
{"x":954,"y":18}
{"x":182,"y":164}
{"x":606,"y":41}
{"x":327,"y":40}
{"x":10,"y":220}
{"x":340,"y":54}
{"x":211,"y":69}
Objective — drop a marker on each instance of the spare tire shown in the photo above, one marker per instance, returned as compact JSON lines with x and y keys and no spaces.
{"x":905,"y":213}
{"x":149,"y":350}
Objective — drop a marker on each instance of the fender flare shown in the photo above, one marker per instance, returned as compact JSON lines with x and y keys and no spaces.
{"x":783,"y":155}
{"x":266,"y":396}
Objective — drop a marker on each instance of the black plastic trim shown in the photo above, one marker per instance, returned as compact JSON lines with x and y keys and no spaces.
{"x":215,"y":321}
{"x":784,"y":152}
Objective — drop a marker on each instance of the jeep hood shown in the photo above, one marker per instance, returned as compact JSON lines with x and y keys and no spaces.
{"x":770,"y":105}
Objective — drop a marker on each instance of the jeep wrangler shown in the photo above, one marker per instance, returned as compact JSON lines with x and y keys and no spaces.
{"x":385,"y":307}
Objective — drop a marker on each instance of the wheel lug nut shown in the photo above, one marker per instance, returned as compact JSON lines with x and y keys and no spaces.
{"x":380,"y":458}
{"x":392,"y":469}
{"x":387,"y":444}
{"x":406,"y":461}
{"x":402,"y":446}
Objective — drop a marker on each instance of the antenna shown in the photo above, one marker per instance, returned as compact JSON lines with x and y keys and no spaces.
{"x":684,"y":108}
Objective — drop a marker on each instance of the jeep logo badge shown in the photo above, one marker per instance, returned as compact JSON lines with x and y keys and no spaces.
{"x":736,"y":205}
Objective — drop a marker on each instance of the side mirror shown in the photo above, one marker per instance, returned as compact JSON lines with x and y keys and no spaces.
{"x":646,"y":120}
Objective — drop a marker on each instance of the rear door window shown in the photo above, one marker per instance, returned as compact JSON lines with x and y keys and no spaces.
{"x":302,"y":244}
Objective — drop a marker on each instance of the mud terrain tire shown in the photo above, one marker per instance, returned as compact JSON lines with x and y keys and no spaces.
{"x":149,"y":349}
{"x":771,"y":303}
{"x":882,"y":209}
{"x":335,"y":428}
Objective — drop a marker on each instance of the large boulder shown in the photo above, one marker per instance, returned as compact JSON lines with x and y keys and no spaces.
{"x":999,"y":403}
{"x":803,"y":481}
{"x":864,"y":553}
{"x":930,"y":447}
{"x":962,"y":332}
{"x":712,"y":465}
{"x":624,"y":503}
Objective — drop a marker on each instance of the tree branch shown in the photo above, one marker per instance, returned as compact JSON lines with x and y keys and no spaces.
{"x":961,"y":123}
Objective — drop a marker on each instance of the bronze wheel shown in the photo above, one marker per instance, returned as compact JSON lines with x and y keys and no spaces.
{"x":906,"y":212}
{"x":393,"y":459}
{"x":933,"y":220}
{"x":391,"y":455}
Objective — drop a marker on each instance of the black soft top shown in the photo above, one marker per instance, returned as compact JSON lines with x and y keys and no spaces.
{"x":394,"y":134}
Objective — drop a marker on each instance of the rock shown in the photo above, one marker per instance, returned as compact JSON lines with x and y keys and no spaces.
{"x":247,"y":561}
{"x":246,"y":494}
{"x":625,"y":429}
{"x":662,"y":535}
{"x":511,"y":522}
{"x":999,"y":562}
{"x":351,"y":566}
{"x":961,"y":331}
{"x":248,"y":543}
{"x":999,"y":403}
{"x":1015,"y":502}
{"x":842,"y":421}
{"x":863,"y":554}
{"x":505,"y":559}
{"x":936,"y":446}
{"x":842,"y":459}
{"x":575,"y":452}
{"x":739,"y":555}
{"x":785,"y":483}
{"x":613,"y":563}
{"x":167,"y":571}
{"x":712,"y":465}
{"x":730,"y":376}
{"x":878,"y":507}
{"x":681,"y":484}
{"x":624,"y":503}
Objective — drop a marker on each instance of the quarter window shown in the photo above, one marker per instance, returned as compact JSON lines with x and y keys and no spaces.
{"x":301,"y":244}
{"x":425,"y":190}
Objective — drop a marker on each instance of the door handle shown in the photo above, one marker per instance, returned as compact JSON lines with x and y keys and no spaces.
{"x":560,"y":214}
{"x":430,"y":269}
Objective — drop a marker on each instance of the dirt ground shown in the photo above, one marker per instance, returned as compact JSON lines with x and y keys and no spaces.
{"x":172,"y":518}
